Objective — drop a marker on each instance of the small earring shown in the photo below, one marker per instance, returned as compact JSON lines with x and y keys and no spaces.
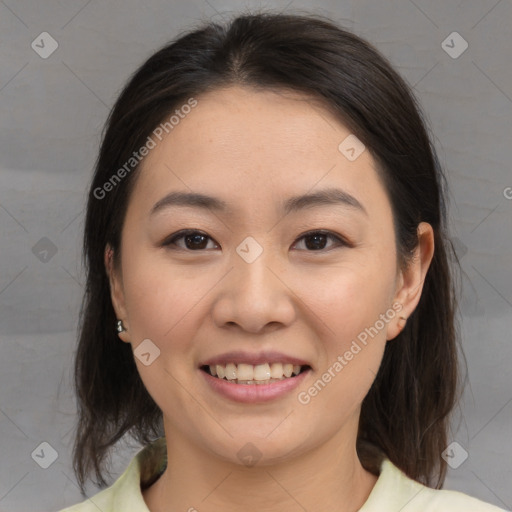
{"x":120,"y":327}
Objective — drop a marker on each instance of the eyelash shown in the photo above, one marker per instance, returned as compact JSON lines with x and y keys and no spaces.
{"x":169,"y":242}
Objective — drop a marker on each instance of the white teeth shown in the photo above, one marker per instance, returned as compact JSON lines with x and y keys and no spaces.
{"x":288,"y":369}
{"x":221,"y":371}
{"x":245,"y":372}
{"x":254,"y":374}
{"x":276,"y":370}
{"x":261,"y":372}
{"x":231,"y":371}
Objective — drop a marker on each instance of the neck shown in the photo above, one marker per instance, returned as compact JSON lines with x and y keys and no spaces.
{"x":330,"y":477}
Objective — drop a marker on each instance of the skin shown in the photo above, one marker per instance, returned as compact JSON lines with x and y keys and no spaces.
{"x":254,"y":149}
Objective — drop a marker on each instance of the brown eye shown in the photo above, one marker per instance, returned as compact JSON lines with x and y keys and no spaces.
{"x":317,"y":240}
{"x":193,"y":240}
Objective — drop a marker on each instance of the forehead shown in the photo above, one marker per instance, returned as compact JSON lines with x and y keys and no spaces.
{"x":240,"y":119}
{"x":245,"y":144}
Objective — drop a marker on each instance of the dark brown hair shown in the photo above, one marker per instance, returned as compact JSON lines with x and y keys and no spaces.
{"x":405,"y":415}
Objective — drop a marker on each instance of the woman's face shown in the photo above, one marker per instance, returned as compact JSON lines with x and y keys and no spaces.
{"x":252,"y":287}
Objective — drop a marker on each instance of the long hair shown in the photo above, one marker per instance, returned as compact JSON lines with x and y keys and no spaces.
{"x":405,"y":415}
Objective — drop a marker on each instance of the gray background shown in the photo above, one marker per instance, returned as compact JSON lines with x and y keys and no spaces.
{"x":52,"y":111}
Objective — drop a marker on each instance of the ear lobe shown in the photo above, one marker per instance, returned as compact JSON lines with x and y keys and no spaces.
{"x":116,"y":291}
{"x":412,"y":278}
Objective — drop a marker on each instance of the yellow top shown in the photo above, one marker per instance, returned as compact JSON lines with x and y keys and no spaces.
{"x":393,"y":492}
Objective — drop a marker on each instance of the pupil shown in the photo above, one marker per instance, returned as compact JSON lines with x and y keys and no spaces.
{"x":196,"y":238}
{"x":315,"y":244}
{"x":318,"y":241}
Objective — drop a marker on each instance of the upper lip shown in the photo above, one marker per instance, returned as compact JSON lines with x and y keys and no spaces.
{"x":241,"y":357}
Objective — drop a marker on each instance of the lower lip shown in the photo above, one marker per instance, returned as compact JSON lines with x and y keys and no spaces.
{"x":254,"y":393}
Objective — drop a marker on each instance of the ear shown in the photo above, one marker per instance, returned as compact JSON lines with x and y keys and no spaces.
{"x":411,"y":280}
{"x":116,"y":292}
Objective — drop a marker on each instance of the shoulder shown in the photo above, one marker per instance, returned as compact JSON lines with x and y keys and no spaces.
{"x":101,"y":501}
{"x":104,"y":501}
{"x":396,"y":491}
{"x":453,"y":501}
{"x":126,"y":494}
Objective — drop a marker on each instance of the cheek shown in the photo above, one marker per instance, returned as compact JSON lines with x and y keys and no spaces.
{"x":160,"y":297}
{"x":350,"y":349}
{"x":348,"y":298}
{"x":163,"y":301}
{"x":347,"y":302}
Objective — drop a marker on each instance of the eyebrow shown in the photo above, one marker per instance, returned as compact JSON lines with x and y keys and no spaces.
{"x":329,"y":196}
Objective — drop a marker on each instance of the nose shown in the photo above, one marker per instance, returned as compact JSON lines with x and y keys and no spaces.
{"x":255,"y":296}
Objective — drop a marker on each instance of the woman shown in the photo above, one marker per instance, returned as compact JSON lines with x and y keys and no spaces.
{"x":269,"y":307}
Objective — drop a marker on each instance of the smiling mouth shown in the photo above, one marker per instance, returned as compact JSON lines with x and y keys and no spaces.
{"x":254,"y":374}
